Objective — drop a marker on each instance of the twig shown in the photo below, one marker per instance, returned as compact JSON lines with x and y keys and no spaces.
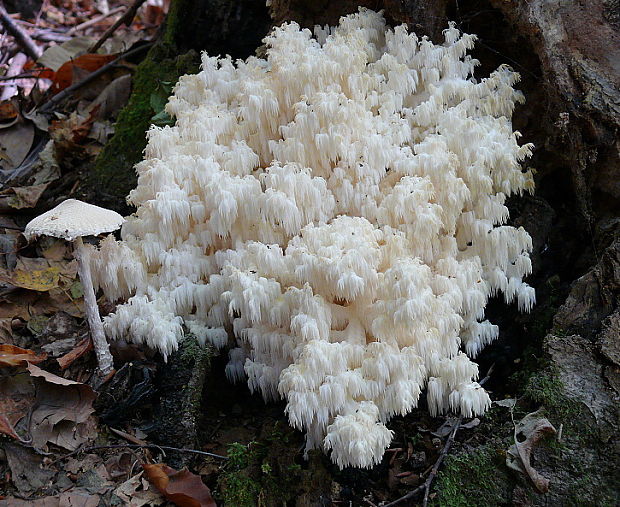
{"x":442,"y":455}
{"x":50,"y":36}
{"x":126,"y":18}
{"x":94,"y":20}
{"x":59,"y":97}
{"x":15,"y":68}
{"x":426,"y":487}
{"x":23,"y":39}
{"x":136,"y":446}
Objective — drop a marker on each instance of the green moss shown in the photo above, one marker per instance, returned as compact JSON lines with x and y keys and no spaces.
{"x":472,"y":479}
{"x":544,"y":388}
{"x":112,"y":175}
{"x":261,"y":473}
{"x":236,"y":485}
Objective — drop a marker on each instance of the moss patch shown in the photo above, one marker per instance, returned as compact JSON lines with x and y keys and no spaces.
{"x":474,"y":479}
{"x":112,"y":176}
{"x":262,"y":472}
{"x":178,"y":413}
{"x":266,"y":472}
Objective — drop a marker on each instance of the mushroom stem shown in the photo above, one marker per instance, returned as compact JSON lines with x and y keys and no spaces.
{"x":102,"y":349}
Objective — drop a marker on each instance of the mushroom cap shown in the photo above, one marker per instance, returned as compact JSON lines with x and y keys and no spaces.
{"x":72,"y":219}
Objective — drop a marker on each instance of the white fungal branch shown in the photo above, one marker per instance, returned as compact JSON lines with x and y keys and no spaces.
{"x":340,"y":206}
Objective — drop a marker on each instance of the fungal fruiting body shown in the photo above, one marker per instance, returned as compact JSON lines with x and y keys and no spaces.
{"x":71,"y":220}
{"x":338,"y":208}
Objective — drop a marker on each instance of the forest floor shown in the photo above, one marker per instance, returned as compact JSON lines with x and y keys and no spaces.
{"x":67,"y":71}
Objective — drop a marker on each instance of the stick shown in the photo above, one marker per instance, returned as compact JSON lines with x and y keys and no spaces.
{"x":426,"y":487}
{"x":50,"y":36}
{"x":23,"y":39}
{"x":136,"y":446}
{"x":94,"y":20}
{"x":59,"y":97}
{"x":126,"y":18}
{"x":15,"y":68}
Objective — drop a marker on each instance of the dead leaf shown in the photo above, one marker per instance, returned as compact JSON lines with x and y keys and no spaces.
{"x":21,"y":197}
{"x":63,"y":413}
{"x":54,"y":249}
{"x":53,"y":301}
{"x":7,"y":428}
{"x":40,"y":280}
{"x":81,"y":131}
{"x":27,"y":474}
{"x":55,"y":56}
{"x":16,"y":397}
{"x":183,"y":488}
{"x":507,"y":402}
{"x":137,"y":492}
{"x":48,"y":501}
{"x":113,"y":97}
{"x":11,"y":355}
{"x":89,"y":62}
{"x":528,"y":433}
{"x":8,"y":111}
{"x":59,"y":347}
{"x":75,"y":497}
{"x":85,"y":346}
{"x":120,"y":465}
{"x":9,"y":244}
{"x":61,"y":325}
{"x":37,"y":273}
{"x":15,"y":143}
{"x":6,"y":331}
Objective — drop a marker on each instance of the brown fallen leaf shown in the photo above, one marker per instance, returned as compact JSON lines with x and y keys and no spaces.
{"x":532,"y":429}
{"x":8,"y":111}
{"x":32,"y":274}
{"x":75,"y":497}
{"x":120,"y":465}
{"x":85,"y":346}
{"x":90,"y":62}
{"x":6,"y":330}
{"x":27,"y":474}
{"x":183,"y":488}
{"x":54,"y":249}
{"x":15,"y":143}
{"x":16,"y":397}
{"x":137,"y":491}
{"x":11,"y":355}
{"x":63,"y":411}
{"x":7,"y":428}
{"x":21,"y":197}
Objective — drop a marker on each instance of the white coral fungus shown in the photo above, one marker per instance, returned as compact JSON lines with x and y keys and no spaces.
{"x":339,"y":207}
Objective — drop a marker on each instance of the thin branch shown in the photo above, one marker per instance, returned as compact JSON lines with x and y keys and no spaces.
{"x":59,"y":97}
{"x":21,"y":36}
{"x":15,"y":68}
{"x":126,"y":19}
{"x":426,"y":487}
{"x":442,"y":456}
{"x":50,"y":36}
{"x":94,"y":21}
{"x":136,"y":446}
